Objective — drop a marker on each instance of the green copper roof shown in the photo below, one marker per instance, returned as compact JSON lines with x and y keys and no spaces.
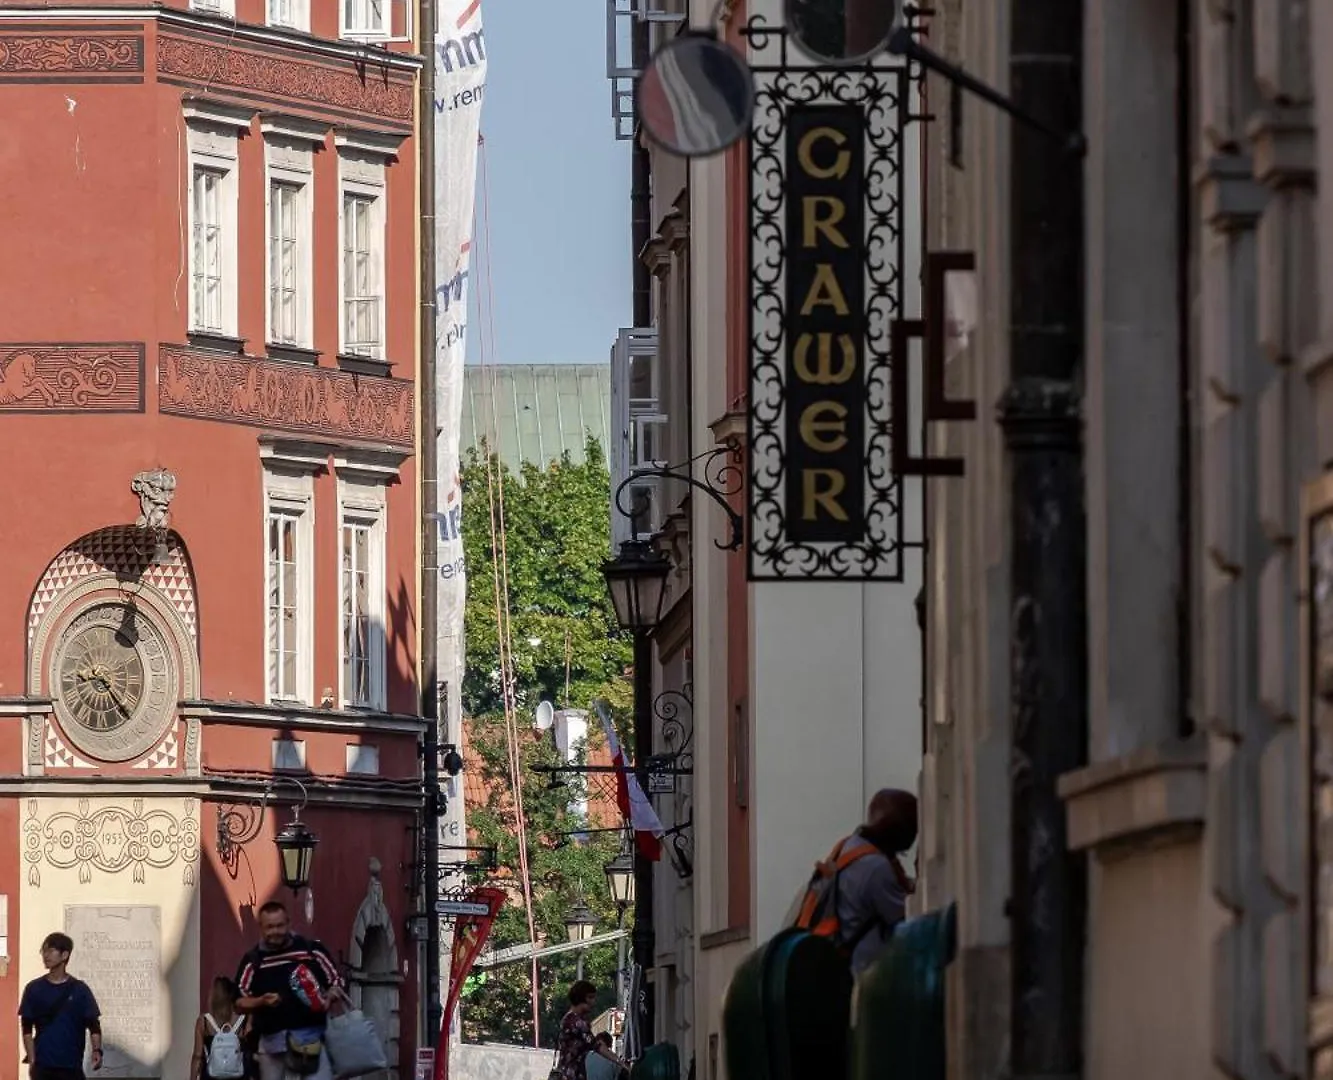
{"x":535,"y":412}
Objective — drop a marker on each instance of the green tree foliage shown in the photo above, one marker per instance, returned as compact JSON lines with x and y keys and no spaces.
{"x":566,"y":649}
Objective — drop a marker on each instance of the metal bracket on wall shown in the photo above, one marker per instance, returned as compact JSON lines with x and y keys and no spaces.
{"x":621,"y":15}
{"x":938,"y":405}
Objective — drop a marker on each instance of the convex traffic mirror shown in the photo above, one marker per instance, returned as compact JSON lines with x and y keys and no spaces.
{"x":696,"y":96}
{"x":842,"y":32}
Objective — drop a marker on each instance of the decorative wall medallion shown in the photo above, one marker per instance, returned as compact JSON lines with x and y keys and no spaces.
{"x":111,"y":839}
{"x":56,"y":755}
{"x":113,"y":681}
{"x":63,"y":377}
{"x":155,"y":489}
{"x":345,"y":88}
{"x":312,"y":401}
{"x":121,"y":550}
{"x":164,"y":756}
{"x":48,"y":58}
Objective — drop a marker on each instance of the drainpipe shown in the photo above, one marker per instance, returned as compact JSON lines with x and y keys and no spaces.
{"x":428,"y":468}
{"x":640,"y":201}
{"x":640,"y":193}
{"x":1040,"y":415}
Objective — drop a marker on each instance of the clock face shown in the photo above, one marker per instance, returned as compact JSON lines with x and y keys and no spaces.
{"x":112,"y":681}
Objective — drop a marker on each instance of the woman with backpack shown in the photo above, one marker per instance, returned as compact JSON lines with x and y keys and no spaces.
{"x":219,"y":1037}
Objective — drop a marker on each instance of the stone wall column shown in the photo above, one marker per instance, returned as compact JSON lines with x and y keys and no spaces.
{"x":1233,"y":378}
{"x":1281,"y":139}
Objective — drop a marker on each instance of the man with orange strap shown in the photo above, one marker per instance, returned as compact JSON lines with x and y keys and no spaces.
{"x":859,"y":893}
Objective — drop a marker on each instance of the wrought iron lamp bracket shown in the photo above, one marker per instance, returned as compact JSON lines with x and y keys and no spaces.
{"x":240,"y":822}
{"x":722,"y":471}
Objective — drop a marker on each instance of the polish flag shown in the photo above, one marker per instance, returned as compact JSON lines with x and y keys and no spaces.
{"x":634,"y":805}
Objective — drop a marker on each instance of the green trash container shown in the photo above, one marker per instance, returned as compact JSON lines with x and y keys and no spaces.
{"x":898,"y":1022}
{"x":661,"y":1061}
{"x":786,"y":1011}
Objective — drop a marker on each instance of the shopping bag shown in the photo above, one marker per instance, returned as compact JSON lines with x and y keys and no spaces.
{"x":353,"y":1045}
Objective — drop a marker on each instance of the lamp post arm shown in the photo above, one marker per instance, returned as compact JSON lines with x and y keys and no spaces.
{"x":722,"y":477}
{"x":903,"y":43}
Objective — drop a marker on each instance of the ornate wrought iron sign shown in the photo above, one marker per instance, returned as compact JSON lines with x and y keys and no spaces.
{"x":826,"y":264}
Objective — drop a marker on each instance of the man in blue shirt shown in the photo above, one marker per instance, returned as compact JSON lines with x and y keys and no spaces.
{"x":54,"y":1012}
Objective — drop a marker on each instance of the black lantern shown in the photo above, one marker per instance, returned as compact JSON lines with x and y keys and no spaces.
{"x":637,"y":580}
{"x":296,"y":849}
{"x":580,"y":924}
{"x":620,"y":880}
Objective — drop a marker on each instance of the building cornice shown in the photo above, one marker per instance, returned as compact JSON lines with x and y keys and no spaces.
{"x":223,"y":114}
{"x":24,"y":706}
{"x":319,"y":791}
{"x":369,"y":464}
{"x":362,"y":793}
{"x":371,"y":141}
{"x":287,"y":717}
{"x":295,"y":128}
{"x":236,"y":32}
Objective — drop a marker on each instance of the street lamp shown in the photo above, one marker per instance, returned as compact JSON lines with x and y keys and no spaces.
{"x":580,"y":924}
{"x":296,"y":849}
{"x":636,"y":578}
{"x":620,"y":880}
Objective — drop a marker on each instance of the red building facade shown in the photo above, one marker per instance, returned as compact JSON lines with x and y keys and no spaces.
{"x":207,"y":413}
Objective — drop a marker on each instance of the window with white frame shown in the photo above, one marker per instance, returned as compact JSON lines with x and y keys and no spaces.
{"x":212,"y":211}
{"x":365,"y":18}
{"x":637,"y":427}
{"x":362,"y":273}
{"x":215,"y":7}
{"x":293,"y":14}
{"x":289,"y":586}
{"x":361,"y":595}
{"x":290,"y":231}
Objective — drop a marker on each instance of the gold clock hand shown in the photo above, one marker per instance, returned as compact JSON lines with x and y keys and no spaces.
{"x":111,"y":693}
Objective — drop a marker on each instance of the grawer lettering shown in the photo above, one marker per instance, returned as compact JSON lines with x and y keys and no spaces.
{"x":826,"y":324}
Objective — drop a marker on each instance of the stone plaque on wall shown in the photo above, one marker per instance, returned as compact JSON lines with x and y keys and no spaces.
{"x":118,"y":952}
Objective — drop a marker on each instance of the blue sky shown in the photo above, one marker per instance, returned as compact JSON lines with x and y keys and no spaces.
{"x":559,"y":251}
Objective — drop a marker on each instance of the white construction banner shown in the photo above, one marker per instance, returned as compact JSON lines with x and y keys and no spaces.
{"x":460,"y":81}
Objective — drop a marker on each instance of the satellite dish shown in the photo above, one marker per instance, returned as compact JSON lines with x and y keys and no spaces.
{"x":696,"y":96}
{"x":545,"y":716}
{"x":841,"y":32}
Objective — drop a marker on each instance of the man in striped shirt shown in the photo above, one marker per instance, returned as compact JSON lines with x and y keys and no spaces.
{"x":287,"y":984}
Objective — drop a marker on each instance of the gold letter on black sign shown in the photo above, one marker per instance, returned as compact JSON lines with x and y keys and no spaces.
{"x":826,"y":324}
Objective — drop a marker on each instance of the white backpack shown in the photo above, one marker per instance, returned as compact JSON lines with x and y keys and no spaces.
{"x":226,"y":1060}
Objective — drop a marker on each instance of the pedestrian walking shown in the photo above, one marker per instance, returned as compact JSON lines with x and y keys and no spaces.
{"x":575,"y":1041}
{"x":859,"y":893}
{"x":286,"y":985}
{"x":220,"y":1036}
{"x":57,"y":1014}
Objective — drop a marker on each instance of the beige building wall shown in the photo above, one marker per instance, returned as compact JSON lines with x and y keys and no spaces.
{"x":119,"y":872}
{"x":1192,"y":808}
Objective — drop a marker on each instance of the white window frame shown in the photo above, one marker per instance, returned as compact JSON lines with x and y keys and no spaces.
{"x":297,"y":749}
{"x":213,"y":134}
{"x":292,"y":495}
{"x":631,"y":344}
{"x":363,"y":504}
{"x":288,"y":160}
{"x":297,"y":19}
{"x":361,"y":173}
{"x":225,"y":8}
{"x":367,"y":29}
